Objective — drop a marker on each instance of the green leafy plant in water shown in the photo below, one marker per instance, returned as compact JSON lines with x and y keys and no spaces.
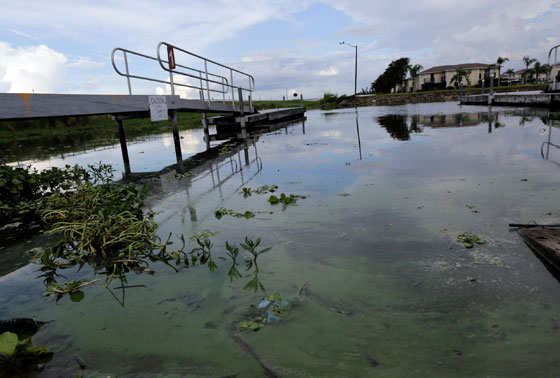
{"x":266,"y":189}
{"x":283,"y":199}
{"x":467,"y":239}
{"x":22,"y":189}
{"x":178,"y":175}
{"x":251,"y":247}
{"x":18,"y":356}
{"x":232,"y":251}
{"x":71,"y":287}
{"x":249,"y":326}
{"x":344,"y":194}
{"x":203,"y":253}
{"x":246,"y":192}
{"x":225,"y":211}
{"x":206,"y":234}
{"x":102,"y":226}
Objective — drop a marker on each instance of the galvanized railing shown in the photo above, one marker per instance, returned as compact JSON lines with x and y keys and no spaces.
{"x":555,"y":67}
{"x":129,"y":76}
{"x":209,"y":82}
{"x":171,"y":69}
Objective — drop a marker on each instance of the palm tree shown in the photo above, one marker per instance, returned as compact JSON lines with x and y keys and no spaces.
{"x":458,"y":77}
{"x":539,"y":68}
{"x":414,"y":70}
{"x":528,"y":61}
{"x":499,"y":62}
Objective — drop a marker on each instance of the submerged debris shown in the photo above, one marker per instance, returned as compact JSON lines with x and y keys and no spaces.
{"x":271,"y":309}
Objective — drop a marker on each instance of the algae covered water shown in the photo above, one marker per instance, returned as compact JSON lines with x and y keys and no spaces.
{"x":369,"y":249}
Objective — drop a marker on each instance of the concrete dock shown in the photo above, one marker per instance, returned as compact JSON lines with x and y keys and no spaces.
{"x":543,"y":100}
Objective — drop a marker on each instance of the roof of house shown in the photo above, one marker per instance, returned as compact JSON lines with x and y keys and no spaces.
{"x":453,"y":67}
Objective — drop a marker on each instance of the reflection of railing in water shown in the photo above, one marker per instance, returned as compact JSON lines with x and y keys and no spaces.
{"x":214,"y":170}
{"x":548,"y":144}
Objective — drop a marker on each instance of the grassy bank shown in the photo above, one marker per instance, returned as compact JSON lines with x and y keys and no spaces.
{"x":472,"y":90}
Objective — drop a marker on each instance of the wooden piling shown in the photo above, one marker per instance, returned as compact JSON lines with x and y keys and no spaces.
{"x":242,"y":115}
{"x":124,"y":149}
{"x":177,"y":140}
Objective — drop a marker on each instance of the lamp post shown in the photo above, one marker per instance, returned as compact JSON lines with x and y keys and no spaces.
{"x":355,"y":67}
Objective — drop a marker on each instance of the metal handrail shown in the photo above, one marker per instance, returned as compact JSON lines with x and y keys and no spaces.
{"x":556,"y":63}
{"x":224,"y":81}
{"x":171,"y":71}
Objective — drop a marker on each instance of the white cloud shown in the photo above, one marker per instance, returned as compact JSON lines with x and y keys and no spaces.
{"x":331,"y":71}
{"x":85,"y":63}
{"x":34,"y":68}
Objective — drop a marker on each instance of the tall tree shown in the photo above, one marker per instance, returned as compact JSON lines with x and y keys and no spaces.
{"x":539,"y":68}
{"x":458,"y":77}
{"x":499,"y":63}
{"x":414,"y":70}
{"x":393,"y":75}
{"x":528,"y":61}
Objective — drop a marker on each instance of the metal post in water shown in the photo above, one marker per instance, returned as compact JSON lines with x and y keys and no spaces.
{"x":461,"y":89}
{"x":482,"y":87}
{"x":301,"y":100}
{"x":283,"y":101}
{"x":491,"y":85}
{"x":124,"y":149}
{"x":177,"y":140}
{"x":206,"y":131}
{"x":242,"y":111}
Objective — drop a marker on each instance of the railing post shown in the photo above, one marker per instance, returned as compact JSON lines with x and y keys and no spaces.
{"x":223,"y":90}
{"x":127,"y":73}
{"x":232,"y":91}
{"x":201,"y":88}
{"x":207,"y":83}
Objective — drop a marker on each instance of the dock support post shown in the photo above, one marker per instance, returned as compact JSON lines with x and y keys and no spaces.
{"x":482,"y":87}
{"x":461,"y":89}
{"x":283,"y":101}
{"x":491,"y":85}
{"x":124,"y":149}
{"x":177,"y":140}
{"x":301,"y":100}
{"x":206,"y":131}
{"x":241,"y":110}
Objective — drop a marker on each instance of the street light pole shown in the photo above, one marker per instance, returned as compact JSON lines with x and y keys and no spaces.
{"x":355,"y":67}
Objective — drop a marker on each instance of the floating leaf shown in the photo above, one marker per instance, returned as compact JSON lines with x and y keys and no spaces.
{"x":8,"y":343}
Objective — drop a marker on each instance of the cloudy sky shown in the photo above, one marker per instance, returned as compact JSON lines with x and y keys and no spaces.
{"x":64,"y":46}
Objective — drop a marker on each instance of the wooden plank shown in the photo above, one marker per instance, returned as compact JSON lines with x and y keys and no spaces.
{"x":544,"y":242}
{"x":32,"y":105}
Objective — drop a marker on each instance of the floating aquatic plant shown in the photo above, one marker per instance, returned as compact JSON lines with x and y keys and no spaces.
{"x":468,"y":240}
{"x":225,"y":211}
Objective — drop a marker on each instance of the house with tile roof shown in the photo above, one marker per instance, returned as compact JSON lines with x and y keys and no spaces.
{"x":439,"y":77}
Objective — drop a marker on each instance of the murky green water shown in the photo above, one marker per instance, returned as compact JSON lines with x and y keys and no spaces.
{"x":387,"y":191}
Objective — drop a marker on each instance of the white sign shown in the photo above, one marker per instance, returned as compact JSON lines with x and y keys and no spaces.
{"x":158,"y":108}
